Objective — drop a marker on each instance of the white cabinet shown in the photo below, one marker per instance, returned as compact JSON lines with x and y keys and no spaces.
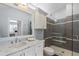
{"x":31,"y":51}
{"x":39,"y":50}
{"x":35,"y":50}
{"x":39,"y":20}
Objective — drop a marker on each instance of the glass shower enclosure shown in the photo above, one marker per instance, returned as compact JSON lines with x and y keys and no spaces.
{"x":64,"y":33}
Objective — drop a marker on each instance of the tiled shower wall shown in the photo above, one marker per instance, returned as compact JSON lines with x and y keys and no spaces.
{"x":63,"y":33}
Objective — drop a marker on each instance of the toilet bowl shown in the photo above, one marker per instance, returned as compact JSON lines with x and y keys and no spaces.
{"x":48,"y":51}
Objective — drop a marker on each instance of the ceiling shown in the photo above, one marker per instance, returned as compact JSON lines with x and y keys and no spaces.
{"x":50,"y":7}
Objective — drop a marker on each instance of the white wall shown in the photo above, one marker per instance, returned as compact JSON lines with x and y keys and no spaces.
{"x":60,"y":14}
{"x":66,"y":11}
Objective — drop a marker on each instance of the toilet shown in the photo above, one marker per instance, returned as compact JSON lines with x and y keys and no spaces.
{"x":48,"y":51}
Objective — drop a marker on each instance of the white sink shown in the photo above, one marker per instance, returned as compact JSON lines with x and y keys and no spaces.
{"x":20,"y":45}
{"x":16,"y":46}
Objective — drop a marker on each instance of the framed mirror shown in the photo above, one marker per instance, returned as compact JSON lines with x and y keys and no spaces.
{"x":14,"y":22}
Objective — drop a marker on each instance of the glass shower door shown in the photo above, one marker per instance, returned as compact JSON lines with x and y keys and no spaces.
{"x":75,"y":29}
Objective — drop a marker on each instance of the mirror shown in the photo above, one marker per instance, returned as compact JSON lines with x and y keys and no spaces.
{"x":15,"y":28}
{"x":14,"y":22}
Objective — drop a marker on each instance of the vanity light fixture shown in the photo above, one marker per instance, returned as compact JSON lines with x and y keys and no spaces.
{"x":22,"y":6}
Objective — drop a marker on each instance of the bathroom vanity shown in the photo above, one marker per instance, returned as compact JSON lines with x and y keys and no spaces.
{"x":23,"y":48}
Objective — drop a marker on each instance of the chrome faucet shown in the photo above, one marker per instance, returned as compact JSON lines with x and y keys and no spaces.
{"x":11,"y":42}
{"x":16,"y":40}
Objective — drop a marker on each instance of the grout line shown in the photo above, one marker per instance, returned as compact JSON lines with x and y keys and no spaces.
{"x":61,"y":37}
{"x":63,"y":22}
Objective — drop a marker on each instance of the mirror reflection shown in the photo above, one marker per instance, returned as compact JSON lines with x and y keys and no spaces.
{"x":14,"y":22}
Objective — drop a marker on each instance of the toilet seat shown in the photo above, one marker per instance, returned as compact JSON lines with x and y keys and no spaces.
{"x":49,"y":51}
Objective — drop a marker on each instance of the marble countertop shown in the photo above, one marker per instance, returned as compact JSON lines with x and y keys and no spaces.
{"x":4,"y":51}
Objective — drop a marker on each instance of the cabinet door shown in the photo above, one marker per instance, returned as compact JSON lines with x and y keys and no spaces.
{"x":37,"y":20}
{"x":43,"y":21}
{"x":39,"y":50}
{"x":40,"y":21}
{"x":26,"y":52}
{"x":31,"y":51}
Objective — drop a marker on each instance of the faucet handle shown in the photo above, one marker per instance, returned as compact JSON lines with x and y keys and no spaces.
{"x":15,"y":40}
{"x":11,"y":42}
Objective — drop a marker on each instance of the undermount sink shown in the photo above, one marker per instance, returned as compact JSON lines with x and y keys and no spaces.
{"x":15,"y":46}
{"x":7,"y":49}
{"x":18,"y":45}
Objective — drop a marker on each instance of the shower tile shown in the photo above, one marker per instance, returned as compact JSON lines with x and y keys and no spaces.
{"x":75,"y":28}
{"x":68,"y":18}
{"x":76,"y":46}
{"x":68,"y":45}
{"x":68,"y":30}
{"x":78,"y":28}
{"x":60,"y":20}
{"x":76,"y":17}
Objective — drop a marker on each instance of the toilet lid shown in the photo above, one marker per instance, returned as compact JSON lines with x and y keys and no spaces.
{"x":49,"y":49}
